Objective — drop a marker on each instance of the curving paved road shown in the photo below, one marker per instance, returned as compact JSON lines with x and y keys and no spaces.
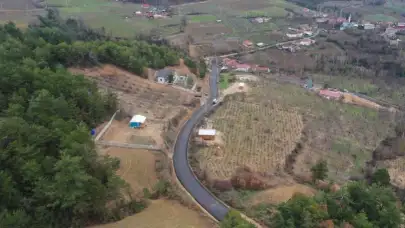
{"x":180,"y":160}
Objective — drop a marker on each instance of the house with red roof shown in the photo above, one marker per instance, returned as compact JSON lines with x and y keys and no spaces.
{"x":243,"y":67}
{"x":257,"y":69}
{"x":248,"y":43}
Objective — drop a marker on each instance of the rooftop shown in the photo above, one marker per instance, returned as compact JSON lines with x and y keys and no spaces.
{"x":207,"y":132}
{"x":164,"y":73}
{"x":138,"y":119}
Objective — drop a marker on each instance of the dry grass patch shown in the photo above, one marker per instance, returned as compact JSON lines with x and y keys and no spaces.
{"x":137,"y":167}
{"x":396,"y":169}
{"x":281,"y":194}
{"x":136,"y":95}
{"x":163,"y":214}
{"x":256,"y":135}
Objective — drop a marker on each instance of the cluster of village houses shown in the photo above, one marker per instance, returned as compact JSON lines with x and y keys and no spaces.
{"x":153,"y":12}
{"x":346,"y":23}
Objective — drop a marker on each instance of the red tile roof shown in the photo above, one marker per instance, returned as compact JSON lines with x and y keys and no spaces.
{"x":247,"y":42}
{"x":243,"y":66}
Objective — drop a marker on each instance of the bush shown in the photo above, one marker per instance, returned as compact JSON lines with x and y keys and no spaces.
{"x":234,"y":220}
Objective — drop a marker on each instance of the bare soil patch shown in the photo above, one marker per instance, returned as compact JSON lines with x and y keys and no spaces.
{"x":119,"y":131}
{"x":163,"y":214}
{"x":281,"y":194}
{"x":137,"y":167}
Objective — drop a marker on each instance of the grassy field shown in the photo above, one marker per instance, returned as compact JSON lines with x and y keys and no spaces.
{"x":201,"y":18}
{"x":116,"y":17}
{"x":224,"y":80}
{"x":380,"y":17}
{"x":233,"y":14}
{"x":261,"y":130}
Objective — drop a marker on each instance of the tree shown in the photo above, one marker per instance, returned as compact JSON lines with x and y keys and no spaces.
{"x":234,"y":220}
{"x":381,"y":177}
{"x":183,"y":23}
{"x":320,"y":170}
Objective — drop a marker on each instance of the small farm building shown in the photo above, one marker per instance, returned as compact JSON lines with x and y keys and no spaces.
{"x":137,"y":121}
{"x":248,"y":43}
{"x":207,"y":134}
{"x":243,"y":67}
{"x":306,"y":42}
{"x":163,"y":76}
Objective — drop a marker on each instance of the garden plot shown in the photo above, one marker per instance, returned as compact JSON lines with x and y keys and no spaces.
{"x":261,"y":128}
{"x":342,"y":134}
{"x":255,"y":135}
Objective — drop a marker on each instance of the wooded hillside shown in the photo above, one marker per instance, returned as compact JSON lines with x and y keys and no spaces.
{"x":51,"y":175}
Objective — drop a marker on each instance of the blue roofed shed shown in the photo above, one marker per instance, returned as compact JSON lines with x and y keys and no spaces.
{"x":137,"y":121}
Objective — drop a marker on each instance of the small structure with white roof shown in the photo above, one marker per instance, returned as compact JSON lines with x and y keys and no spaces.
{"x":207,"y":134}
{"x":137,"y":121}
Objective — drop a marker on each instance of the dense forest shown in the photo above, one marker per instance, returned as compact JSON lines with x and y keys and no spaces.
{"x":51,"y":174}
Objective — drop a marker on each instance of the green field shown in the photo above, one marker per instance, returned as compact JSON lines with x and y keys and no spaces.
{"x":115,"y":17}
{"x":119,"y":19}
{"x":380,"y":17}
{"x":201,"y":18}
{"x":224,"y":80}
{"x":234,"y":15}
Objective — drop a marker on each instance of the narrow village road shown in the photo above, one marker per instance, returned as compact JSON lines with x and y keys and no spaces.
{"x":180,"y":159}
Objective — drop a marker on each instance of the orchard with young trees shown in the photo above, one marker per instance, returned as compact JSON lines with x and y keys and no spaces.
{"x":51,"y":175}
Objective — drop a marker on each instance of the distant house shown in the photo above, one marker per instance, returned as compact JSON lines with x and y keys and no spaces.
{"x":145,"y":6}
{"x":207,"y":134}
{"x":163,"y":76}
{"x":330,"y":94}
{"x":243,"y":67}
{"x":248,"y":43}
{"x":230,"y":63}
{"x":260,"y":44}
{"x":137,"y":121}
{"x":258,"y":69}
{"x":306,"y":42}
{"x":368,"y":26}
{"x":294,"y":35}
{"x":401,"y":25}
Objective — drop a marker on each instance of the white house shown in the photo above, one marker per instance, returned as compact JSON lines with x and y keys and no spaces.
{"x":306,"y":42}
{"x":294,"y":35}
{"x":260,"y":44}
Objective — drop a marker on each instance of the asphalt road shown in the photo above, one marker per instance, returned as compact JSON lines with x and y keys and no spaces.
{"x":180,"y":161}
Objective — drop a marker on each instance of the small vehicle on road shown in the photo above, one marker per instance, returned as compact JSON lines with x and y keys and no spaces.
{"x":215,"y":101}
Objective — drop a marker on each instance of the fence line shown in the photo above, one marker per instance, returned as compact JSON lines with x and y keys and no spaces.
{"x":106,"y":127}
{"x":129,"y":145}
